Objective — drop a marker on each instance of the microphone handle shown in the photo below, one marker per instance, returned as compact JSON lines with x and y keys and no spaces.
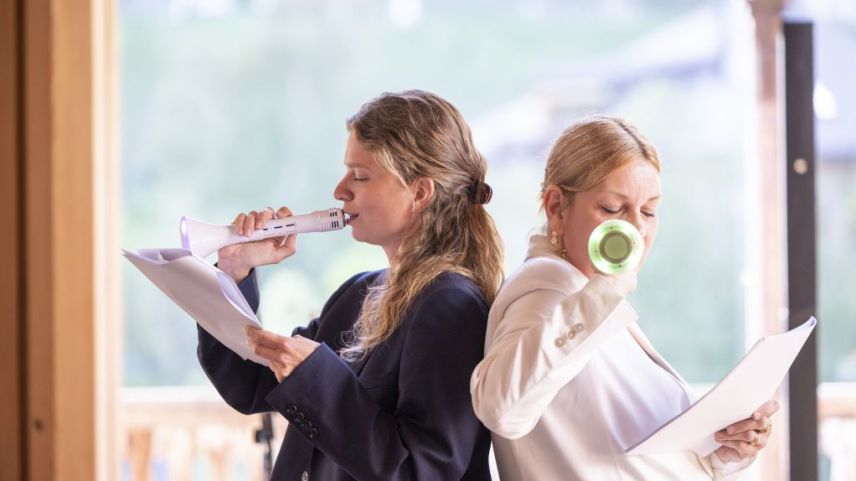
{"x":317,"y":221}
{"x":203,"y":238}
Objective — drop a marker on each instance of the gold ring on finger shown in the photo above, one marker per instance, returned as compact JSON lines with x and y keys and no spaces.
{"x":757,"y":439}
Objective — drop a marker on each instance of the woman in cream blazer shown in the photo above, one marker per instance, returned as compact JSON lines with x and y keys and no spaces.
{"x":569,"y":380}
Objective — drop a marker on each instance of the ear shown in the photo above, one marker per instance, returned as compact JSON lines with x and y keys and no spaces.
{"x":423,"y":191}
{"x":553,"y":203}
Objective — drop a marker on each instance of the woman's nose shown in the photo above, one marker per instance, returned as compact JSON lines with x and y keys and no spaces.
{"x":341,"y":192}
{"x":638,"y":222}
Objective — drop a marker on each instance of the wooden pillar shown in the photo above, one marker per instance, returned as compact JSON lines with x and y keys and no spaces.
{"x":11,"y":305}
{"x":768,"y":199}
{"x":47,"y":295}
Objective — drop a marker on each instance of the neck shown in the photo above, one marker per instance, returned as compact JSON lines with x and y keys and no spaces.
{"x":391,"y":254}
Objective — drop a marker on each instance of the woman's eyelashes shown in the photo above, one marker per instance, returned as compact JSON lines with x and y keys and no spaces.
{"x":359,"y":176}
{"x":616,"y":210}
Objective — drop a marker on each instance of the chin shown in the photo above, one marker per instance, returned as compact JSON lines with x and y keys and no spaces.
{"x":360,"y":236}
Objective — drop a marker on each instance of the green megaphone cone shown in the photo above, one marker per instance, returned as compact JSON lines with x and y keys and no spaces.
{"x":615,"y":246}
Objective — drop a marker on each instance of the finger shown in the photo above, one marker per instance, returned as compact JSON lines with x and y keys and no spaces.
{"x":747,"y":450}
{"x":767,"y":409}
{"x":254,"y":334}
{"x":272,"y":355}
{"x":283,"y":212}
{"x":743,"y":449}
{"x":289,"y":243}
{"x":250,"y":223}
{"x":728,"y":455}
{"x":239,"y":223}
{"x":250,"y":330}
{"x":263,"y":218}
{"x":285,"y":247}
{"x":270,"y":340}
{"x":745,"y":436}
{"x":745,"y":425}
{"x":276,"y":371}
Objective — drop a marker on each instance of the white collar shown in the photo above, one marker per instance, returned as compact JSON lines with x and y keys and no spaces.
{"x":539,"y":246}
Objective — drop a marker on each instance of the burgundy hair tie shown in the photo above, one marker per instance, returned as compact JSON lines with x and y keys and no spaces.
{"x":479,"y":192}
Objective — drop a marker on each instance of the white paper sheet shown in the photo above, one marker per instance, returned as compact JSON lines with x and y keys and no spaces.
{"x":204,"y":292}
{"x":743,"y":390}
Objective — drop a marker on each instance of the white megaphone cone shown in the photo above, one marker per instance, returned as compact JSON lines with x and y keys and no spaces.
{"x":202,"y":238}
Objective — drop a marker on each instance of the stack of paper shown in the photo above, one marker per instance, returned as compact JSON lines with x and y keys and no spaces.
{"x":204,"y":292}
{"x":743,"y":390}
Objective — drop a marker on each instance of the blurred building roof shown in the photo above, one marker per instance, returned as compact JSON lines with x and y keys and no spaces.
{"x":523,"y":128}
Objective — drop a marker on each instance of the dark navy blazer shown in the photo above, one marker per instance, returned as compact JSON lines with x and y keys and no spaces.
{"x":402,"y":413}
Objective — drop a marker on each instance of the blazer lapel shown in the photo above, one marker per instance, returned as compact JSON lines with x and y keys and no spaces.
{"x":646,"y":345}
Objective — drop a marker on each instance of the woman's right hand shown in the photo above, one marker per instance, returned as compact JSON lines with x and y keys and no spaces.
{"x":238,"y":259}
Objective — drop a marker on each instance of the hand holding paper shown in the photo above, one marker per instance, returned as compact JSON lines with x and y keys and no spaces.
{"x":204,"y":292}
{"x":746,"y":438}
{"x":751,"y":383}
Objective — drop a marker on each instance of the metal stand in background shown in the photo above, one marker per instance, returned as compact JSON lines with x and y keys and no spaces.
{"x":264,"y":435}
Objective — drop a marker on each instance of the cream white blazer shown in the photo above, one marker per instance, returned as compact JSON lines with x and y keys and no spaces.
{"x":569,"y":381}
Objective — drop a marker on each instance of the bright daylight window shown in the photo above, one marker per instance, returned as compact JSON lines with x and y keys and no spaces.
{"x":231,"y":105}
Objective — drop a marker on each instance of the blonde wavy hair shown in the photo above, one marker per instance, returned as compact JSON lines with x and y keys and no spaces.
{"x":591,"y":149}
{"x":415,"y":134}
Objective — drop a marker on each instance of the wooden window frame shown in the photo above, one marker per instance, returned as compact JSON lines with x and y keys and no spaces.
{"x":58,"y":204}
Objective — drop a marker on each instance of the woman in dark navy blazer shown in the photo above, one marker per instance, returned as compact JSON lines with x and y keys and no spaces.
{"x":377,"y":387}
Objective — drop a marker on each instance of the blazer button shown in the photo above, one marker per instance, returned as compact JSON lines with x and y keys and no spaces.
{"x":571,"y":334}
{"x":299,"y":416}
{"x":290,"y":410}
{"x":578,"y":328}
{"x":313,"y":433}
{"x":304,"y":476}
{"x":560,"y":341}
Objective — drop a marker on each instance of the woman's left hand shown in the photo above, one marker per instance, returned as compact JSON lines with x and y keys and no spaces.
{"x":744,"y":439}
{"x":284,"y":353}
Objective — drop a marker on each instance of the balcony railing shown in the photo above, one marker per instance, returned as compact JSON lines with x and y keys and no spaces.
{"x":189,"y":434}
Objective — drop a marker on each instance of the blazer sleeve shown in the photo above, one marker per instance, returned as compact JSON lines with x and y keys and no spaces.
{"x":540,"y":343}
{"x":432,"y":433}
{"x":728,"y":471}
{"x":243,"y":384}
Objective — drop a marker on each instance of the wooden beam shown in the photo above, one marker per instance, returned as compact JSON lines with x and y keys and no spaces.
{"x":11,"y":383}
{"x":38,"y":282}
{"x":58,"y":206}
